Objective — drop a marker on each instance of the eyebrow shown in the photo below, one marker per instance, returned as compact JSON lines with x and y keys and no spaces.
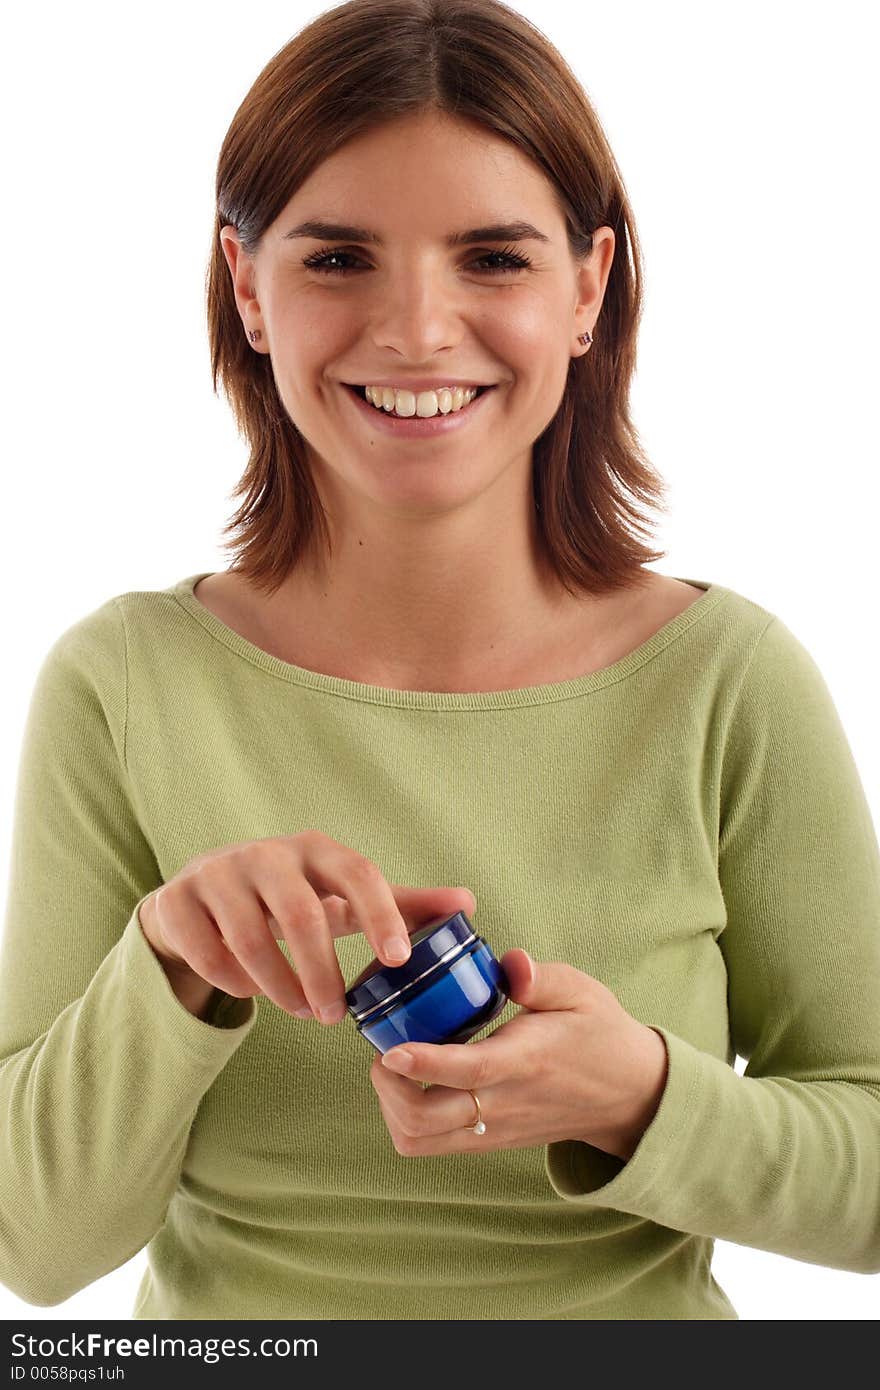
{"x":338,"y":231}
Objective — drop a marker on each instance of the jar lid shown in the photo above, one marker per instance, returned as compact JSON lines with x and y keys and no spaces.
{"x":431,"y":946}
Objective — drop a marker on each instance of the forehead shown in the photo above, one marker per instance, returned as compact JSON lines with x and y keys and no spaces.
{"x":418,"y":174}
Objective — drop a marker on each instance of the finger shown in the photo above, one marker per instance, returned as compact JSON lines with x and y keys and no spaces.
{"x":300,"y":914}
{"x":198,"y":941}
{"x":463,"y":1065}
{"x":338,"y":914}
{"x":418,"y":1113}
{"x":334,"y":868}
{"x":241,"y":918}
{"x":417,"y":906}
{"x":552,"y":985}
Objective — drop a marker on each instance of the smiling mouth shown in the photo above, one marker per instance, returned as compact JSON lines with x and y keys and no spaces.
{"x":361,"y":391}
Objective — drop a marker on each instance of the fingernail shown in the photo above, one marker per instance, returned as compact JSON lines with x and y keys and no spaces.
{"x":397,"y":948}
{"x":398,"y":1059}
{"x":332,"y":1013}
{"x":304,"y":1013}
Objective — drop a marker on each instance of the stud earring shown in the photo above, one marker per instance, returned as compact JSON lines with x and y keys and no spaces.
{"x":254,"y":334}
{"x":585,"y":338}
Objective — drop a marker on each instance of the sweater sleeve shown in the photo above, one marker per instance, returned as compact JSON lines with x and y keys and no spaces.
{"x":785,"y":1157}
{"x":101,"y":1067}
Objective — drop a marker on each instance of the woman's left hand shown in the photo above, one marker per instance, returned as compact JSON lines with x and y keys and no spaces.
{"x":572,"y":1064}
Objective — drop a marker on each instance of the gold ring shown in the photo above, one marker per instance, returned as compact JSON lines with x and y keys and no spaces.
{"x":478,"y":1127}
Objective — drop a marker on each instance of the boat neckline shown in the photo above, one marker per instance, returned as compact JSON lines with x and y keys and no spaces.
{"x":319,"y":681}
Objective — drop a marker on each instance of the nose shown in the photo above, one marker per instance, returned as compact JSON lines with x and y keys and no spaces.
{"x":420,"y":314}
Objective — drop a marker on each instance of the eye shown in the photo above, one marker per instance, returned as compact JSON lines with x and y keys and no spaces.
{"x":320,"y":261}
{"x":514,"y":260}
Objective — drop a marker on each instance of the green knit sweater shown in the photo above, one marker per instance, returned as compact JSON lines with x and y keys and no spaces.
{"x":686,"y":825}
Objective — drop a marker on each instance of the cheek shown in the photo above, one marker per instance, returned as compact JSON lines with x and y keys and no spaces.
{"x":321,"y":329}
{"x":309,"y":331}
{"x":524,"y":331}
{"x":305,"y":347}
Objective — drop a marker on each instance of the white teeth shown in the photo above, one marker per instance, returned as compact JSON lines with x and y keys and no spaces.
{"x":425,"y":404}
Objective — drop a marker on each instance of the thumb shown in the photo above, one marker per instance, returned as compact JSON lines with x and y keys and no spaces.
{"x":418,"y":906}
{"x":545,"y":984}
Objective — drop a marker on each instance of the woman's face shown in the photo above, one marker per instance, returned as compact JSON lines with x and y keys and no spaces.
{"x":415,"y":310}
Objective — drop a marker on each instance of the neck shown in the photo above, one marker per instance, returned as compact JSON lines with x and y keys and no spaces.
{"x":436,"y":604}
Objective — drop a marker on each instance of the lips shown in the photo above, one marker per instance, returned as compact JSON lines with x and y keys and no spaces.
{"x":415,"y":426}
{"x":362,"y":391}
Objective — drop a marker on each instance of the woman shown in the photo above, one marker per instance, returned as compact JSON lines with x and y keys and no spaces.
{"x":438,"y":659}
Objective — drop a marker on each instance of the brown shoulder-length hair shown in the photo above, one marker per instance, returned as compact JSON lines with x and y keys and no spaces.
{"x":352,"y":67}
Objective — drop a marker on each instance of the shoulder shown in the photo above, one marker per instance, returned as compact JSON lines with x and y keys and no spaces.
{"x":784,"y":727}
{"x":97,"y":648}
{"x":93,"y":645}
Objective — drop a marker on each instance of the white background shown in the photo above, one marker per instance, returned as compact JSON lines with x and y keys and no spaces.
{"x":746,"y":136}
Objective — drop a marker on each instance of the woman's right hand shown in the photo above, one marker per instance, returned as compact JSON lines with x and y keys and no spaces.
{"x":221,"y":916}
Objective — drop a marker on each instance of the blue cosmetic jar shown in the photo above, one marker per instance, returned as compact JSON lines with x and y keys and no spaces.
{"x":448,"y":989}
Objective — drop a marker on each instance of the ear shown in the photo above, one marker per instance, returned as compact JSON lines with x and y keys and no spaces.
{"x":242,"y":268}
{"x":592,"y":279}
